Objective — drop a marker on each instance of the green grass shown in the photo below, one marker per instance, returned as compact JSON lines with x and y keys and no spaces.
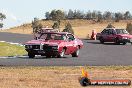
{"x":11,"y":50}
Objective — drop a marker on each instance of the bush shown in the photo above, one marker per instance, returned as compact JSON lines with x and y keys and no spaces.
{"x":56,"y":25}
{"x":1,"y":25}
{"x":129,"y":28}
{"x":36,"y":25}
{"x":110,"y":26}
{"x":68,"y":28}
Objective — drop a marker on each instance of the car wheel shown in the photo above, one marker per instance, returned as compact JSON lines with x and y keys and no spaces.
{"x":48,"y":56}
{"x":117,"y":41}
{"x":101,"y":40}
{"x":31,"y":55}
{"x":61,"y":54}
{"x":76,"y":53}
{"x":53,"y":56}
{"x":124,"y":43}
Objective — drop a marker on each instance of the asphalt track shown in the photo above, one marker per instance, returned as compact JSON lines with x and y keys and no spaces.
{"x":92,"y":54}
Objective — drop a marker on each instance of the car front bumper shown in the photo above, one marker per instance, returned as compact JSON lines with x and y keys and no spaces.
{"x":125,"y":40}
{"x":42,"y":52}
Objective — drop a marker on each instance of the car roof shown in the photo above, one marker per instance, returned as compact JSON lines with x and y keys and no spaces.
{"x":47,"y":28}
{"x":113,"y":28}
{"x":56,"y":33}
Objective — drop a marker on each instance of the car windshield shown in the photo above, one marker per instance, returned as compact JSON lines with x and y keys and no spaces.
{"x":52,"y":36}
{"x":121,"y":31}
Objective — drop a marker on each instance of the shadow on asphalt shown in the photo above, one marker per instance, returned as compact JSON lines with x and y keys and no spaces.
{"x":107,"y":43}
{"x":36,"y":57}
{"x":85,"y":39}
{"x":91,"y":42}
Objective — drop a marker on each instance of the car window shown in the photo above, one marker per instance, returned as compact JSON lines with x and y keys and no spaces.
{"x":111,"y":31}
{"x":53,"y":36}
{"x":121,"y":31}
{"x":60,"y":37}
{"x":105,"y":31}
{"x":71,"y":37}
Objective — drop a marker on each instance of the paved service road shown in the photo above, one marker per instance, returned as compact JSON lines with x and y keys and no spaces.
{"x":93,"y":54}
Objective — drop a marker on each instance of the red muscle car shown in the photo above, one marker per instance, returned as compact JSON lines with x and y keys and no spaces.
{"x":54,"y":44}
{"x":114,"y":35}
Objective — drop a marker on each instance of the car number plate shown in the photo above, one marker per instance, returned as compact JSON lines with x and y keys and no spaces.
{"x":41,"y":52}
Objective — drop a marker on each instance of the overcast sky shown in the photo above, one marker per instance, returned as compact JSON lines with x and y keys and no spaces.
{"x":23,"y":11}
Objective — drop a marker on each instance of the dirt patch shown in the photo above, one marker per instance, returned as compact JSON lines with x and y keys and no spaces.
{"x":58,"y":77}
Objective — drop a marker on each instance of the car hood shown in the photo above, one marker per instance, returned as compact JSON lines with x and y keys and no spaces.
{"x":49,"y":42}
{"x":125,"y":35}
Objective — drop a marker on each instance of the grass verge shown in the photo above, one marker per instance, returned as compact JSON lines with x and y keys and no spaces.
{"x":59,"y":77}
{"x":7,"y":49}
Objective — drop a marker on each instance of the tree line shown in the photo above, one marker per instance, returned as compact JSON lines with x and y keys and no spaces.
{"x":90,"y":15}
{"x":2,"y":17}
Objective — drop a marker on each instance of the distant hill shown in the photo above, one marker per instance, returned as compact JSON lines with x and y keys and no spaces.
{"x":82,"y":28}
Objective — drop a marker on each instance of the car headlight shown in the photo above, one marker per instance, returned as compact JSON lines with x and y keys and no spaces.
{"x":28,"y":46}
{"x":124,"y":38}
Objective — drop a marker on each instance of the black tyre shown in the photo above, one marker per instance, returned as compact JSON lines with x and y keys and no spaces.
{"x":31,"y":55}
{"x":76,"y":53}
{"x":84,"y":81}
{"x":124,"y":43}
{"x":117,"y":42}
{"x":48,"y":56}
{"x":61,"y":54}
{"x":101,"y":40}
{"x":53,"y":56}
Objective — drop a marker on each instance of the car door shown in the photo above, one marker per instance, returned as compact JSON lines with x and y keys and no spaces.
{"x":70,"y":44}
{"x":111,"y":37}
{"x":105,"y":34}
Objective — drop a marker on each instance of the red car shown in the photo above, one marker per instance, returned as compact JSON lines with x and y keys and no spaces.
{"x":114,"y":35}
{"x":55,"y":44}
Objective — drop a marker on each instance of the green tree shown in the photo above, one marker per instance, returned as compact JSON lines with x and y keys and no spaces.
{"x":36,"y":25}
{"x":110,"y":26}
{"x":129,"y":28}
{"x":118,"y":16}
{"x":70,"y":14}
{"x":100,"y":17}
{"x":94,"y":15}
{"x":57,"y":15}
{"x":1,"y":25}
{"x":78,"y":14}
{"x":47,"y":15}
{"x":127,"y":15}
{"x":88,"y":15}
{"x":68,"y":28}
{"x":56,"y":25}
{"x":107,"y":15}
{"x":2,"y":17}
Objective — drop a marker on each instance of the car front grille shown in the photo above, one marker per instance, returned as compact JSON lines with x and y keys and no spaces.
{"x":46,"y":47}
{"x":35,"y":46}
